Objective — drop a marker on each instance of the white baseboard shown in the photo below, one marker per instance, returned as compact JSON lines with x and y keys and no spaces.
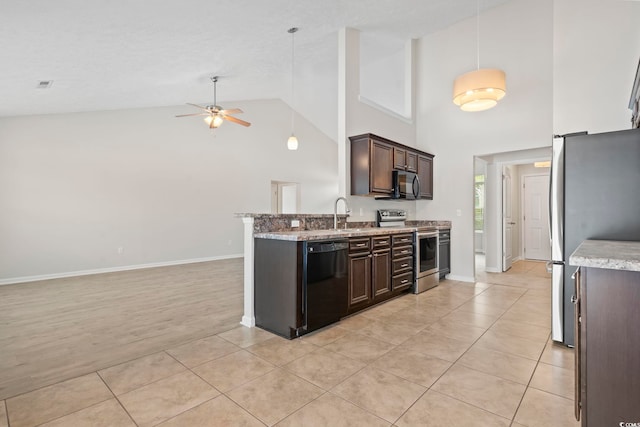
{"x":492,"y":270}
{"x":24,"y":279}
{"x":460,"y":278}
{"x":249,"y":322}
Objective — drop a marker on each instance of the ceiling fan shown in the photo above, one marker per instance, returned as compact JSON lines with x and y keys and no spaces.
{"x":214,"y":113}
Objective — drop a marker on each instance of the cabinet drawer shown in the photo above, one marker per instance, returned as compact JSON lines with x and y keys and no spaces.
{"x":402,"y":265}
{"x":359,"y":245}
{"x":381,"y":242}
{"x":402,"y":281}
{"x":402,"y":252}
{"x":402,"y":239}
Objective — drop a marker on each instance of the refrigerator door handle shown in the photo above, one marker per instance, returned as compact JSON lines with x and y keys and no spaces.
{"x":556,"y":195}
{"x":557,"y":302}
{"x":549,"y":266}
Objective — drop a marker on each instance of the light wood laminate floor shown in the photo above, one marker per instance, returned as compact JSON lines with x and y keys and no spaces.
{"x":59,"y":329}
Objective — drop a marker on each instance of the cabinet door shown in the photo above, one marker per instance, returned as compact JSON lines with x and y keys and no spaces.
{"x":425,"y":174}
{"x":381,"y":273}
{"x":412,"y":161}
{"x":607,"y":364}
{"x":399,"y":158}
{"x":381,"y":168}
{"x":359,"y":279}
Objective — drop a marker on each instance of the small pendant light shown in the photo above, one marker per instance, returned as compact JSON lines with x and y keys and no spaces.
{"x":480,"y":89}
{"x":292,"y":142}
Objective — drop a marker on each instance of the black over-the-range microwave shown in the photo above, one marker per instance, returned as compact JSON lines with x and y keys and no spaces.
{"x":406,"y":185}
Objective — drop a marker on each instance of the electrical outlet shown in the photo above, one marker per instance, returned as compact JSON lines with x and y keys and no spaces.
{"x":120,"y":250}
{"x":458,"y":212}
{"x":361,"y":212}
{"x":295,"y":223}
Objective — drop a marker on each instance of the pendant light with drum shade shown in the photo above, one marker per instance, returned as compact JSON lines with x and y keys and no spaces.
{"x":482,"y":88}
{"x":292,"y":142}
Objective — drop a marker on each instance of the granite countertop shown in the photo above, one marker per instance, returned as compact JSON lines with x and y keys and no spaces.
{"x":610,"y":254}
{"x":340,"y":233}
{"x":270,"y":215}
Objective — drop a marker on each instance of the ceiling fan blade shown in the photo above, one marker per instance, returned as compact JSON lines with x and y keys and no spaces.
{"x":199,"y":106}
{"x":235,"y":120}
{"x":232,"y":111}
{"x":194,"y":114}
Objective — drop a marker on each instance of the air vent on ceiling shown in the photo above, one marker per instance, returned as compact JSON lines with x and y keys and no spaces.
{"x":44,"y":84}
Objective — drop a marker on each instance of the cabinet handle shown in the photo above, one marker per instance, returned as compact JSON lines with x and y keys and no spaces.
{"x":404,"y":252}
{"x":404,"y":265}
{"x":359,"y":245}
{"x":575,"y":299}
{"x":404,"y":281}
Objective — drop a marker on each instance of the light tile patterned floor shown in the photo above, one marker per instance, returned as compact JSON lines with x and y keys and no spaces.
{"x":458,"y":355}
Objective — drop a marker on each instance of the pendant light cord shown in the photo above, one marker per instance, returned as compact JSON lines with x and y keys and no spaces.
{"x":478,"y":33}
{"x":215,"y":91}
{"x":293,"y":32}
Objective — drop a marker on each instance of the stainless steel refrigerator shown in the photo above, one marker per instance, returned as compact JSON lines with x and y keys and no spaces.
{"x":595,"y":194}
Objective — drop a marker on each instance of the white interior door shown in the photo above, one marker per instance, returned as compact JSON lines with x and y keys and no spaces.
{"x":536,"y":218}
{"x":285,"y":197}
{"x":507,"y":220}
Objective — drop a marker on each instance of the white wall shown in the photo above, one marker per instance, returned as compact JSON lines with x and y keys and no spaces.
{"x":516,"y":37}
{"x":596,"y":52}
{"x":569,"y":65}
{"x":358,"y":118}
{"x":382,"y":71}
{"x":76,"y":187}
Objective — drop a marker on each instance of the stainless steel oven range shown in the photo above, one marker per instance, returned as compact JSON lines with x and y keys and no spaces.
{"x":426,"y":256}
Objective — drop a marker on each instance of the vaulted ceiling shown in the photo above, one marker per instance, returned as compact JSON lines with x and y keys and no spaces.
{"x":113,"y":54}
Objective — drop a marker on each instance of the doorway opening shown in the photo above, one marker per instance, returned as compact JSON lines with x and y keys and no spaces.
{"x":285,"y":197}
{"x":515,"y":214}
{"x":479,"y":208}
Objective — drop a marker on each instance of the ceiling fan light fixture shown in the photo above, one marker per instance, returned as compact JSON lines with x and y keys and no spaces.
{"x":215,"y":114}
{"x":214,"y":121}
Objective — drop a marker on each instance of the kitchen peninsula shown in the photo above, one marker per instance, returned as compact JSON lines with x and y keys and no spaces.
{"x":606,"y":298}
{"x":368,"y":246}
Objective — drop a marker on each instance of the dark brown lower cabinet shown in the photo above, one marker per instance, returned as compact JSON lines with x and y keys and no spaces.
{"x":359,"y":279}
{"x":381,"y":274}
{"x":608,"y":347}
{"x":402,"y":253}
{"x":374,"y":270}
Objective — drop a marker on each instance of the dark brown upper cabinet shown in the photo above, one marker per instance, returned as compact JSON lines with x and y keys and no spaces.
{"x":425,"y":175}
{"x":373,"y":160}
{"x":371,"y":165}
{"x":405,"y":160}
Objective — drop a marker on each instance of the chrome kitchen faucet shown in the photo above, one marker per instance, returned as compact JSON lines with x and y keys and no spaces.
{"x":335,"y":212}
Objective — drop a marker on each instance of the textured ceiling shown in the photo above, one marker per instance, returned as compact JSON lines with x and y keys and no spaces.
{"x":112,"y":54}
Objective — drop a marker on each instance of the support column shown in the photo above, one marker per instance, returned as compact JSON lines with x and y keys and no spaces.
{"x":249,"y":318}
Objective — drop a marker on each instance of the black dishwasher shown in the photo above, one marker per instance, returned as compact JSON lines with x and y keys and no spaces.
{"x":300,"y":286}
{"x":325,"y":282}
